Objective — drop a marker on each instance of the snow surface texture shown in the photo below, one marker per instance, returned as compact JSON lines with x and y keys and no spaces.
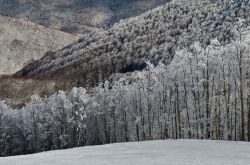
{"x":170,"y":152}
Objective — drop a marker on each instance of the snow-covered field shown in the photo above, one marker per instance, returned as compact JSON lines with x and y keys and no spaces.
{"x":167,"y":152}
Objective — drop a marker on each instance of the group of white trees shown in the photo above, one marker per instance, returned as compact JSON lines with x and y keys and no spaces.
{"x":44,"y":124}
{"x":202,"y":94}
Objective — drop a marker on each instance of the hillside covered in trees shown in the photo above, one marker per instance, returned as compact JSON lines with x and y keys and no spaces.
{"x":152,"y":36}
{"x":183,"y":73}
{"x":126,"y":47}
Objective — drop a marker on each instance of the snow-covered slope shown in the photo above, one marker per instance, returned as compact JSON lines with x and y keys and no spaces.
{"x":170,"y":152}
{"x":21,"y":42}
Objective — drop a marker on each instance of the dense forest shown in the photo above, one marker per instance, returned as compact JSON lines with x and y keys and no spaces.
{"x":204,"y":93}
{"x":178,"y":71}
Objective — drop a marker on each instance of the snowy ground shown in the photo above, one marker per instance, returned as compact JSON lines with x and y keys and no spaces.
{"x":167,"y":152}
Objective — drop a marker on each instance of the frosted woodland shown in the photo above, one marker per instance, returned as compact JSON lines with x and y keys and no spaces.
{"x":202,"y":94}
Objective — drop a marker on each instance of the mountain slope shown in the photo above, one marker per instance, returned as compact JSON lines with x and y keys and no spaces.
{"x":128,"y":45}
{"x":21,"y":42}
{"x":146,"y":153}
{"x":152,"y":36}
{"x":81,"y":16}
